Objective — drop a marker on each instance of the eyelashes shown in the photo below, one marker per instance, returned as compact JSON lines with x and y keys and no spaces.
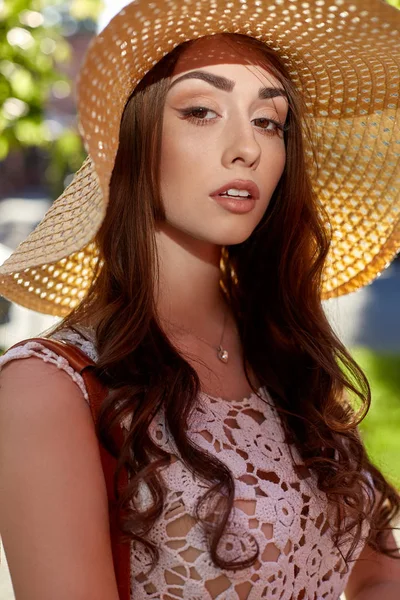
{"x":194,"y":114}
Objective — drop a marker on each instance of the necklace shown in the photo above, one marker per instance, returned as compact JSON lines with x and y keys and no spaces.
{"x":221,"y":352}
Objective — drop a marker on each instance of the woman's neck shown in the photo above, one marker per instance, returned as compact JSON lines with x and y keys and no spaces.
{"x":188,"y":291}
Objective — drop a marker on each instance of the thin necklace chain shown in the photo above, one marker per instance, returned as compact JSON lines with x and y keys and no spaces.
{"x":221,"y":352}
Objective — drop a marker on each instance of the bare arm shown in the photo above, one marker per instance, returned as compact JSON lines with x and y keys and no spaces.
{"x":375,"y":576}
{"x":53,"y":500}
{"x":388,"y":591}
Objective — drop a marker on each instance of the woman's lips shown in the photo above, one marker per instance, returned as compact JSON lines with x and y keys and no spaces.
{"x":236,"y":205}
{"x":239,"y":184}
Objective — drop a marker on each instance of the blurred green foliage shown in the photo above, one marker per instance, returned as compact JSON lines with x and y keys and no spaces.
{"x":395,"y":3}
{"x":380,"y":429}
{"x":33,"y":46}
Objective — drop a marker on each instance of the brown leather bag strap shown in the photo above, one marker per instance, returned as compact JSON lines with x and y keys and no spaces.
{"x":97,"y":392}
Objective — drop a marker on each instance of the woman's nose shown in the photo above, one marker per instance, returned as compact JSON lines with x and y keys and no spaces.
{"x":241,"y":145}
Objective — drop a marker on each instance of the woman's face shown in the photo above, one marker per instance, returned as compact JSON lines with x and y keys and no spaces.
{"x":222,"y":130}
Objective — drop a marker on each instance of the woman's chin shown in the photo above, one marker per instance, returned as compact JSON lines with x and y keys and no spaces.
{"x":234,"y":237}
{"x":211,"y":235}
{"x":225,"y":239}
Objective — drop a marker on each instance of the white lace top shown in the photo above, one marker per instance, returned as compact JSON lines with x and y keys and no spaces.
{"x":286,"y":514}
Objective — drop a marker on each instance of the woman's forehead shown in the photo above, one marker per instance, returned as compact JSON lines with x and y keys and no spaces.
{"x":218,"y":53}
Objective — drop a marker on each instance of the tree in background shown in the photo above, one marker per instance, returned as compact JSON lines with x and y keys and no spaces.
{"x":34,"y":49}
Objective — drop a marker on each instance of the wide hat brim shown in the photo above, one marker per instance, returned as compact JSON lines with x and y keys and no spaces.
{"x":344,"y":58}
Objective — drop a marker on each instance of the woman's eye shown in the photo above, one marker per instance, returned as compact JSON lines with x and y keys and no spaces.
{"x":199,"y":115}
{"x":269,"y":125}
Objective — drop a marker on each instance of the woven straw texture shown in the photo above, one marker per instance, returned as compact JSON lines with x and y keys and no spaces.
{"x":344,"y":58}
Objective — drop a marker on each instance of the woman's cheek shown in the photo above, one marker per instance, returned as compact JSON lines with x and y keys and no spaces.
{"x":280,"y":162}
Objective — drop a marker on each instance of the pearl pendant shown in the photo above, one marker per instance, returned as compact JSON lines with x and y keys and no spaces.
{"x":223,"y":355}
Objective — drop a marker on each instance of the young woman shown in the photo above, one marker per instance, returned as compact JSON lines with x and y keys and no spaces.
{"x":189,"y":259}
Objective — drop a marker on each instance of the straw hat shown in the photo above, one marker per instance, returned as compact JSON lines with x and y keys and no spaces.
{"x":344,"y":58}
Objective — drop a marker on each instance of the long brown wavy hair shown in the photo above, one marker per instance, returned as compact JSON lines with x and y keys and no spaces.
{"x":273,"y":283}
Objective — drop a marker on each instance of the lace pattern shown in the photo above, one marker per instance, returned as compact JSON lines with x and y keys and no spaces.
{"x":285,"y":512}
{"x":82,"y":337}
{"x":35,"y":349}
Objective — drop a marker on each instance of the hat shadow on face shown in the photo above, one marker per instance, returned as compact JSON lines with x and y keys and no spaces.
{"x":211,"y":50}
{"x":219,"y":49}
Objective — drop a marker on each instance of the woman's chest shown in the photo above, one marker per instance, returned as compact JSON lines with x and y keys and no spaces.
{"x":221,"y":379}
{"x":285,"y":515}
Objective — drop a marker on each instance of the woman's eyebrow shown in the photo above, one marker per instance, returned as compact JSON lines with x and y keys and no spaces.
{"x":227,"y":85}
